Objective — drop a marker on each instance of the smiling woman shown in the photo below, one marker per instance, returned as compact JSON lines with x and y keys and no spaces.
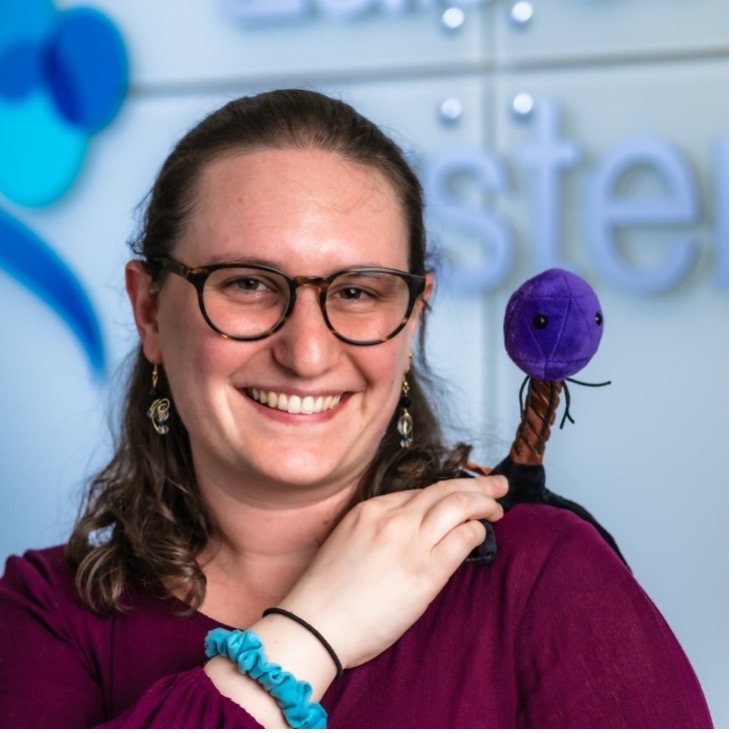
{"x":292,"y":513}
{"x":307,"y":211}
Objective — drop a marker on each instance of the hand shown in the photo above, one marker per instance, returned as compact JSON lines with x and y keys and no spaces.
{"x":388,"y":559}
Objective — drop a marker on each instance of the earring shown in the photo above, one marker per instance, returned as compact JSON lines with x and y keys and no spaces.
{"x":405,"y":423}
{"x":159,"y":411}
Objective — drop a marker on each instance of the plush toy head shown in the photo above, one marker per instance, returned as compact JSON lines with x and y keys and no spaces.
{"x":553,"y":325}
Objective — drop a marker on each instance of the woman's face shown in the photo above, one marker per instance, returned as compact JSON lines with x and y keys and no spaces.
{"x":305,"y":212}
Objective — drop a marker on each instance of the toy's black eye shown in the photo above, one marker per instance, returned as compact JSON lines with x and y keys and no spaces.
{"x":599,"y":319}
{"x":540,"y":320}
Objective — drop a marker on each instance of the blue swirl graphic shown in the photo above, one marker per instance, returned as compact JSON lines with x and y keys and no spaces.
{"x":28,"y":259}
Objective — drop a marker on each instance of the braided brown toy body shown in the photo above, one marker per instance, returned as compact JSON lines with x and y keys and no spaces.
{"x":538,"y":415}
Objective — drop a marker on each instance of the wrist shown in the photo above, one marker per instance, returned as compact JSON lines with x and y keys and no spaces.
{"x":292,"y":694}
{"x":294,"y":648}
{"x":244,"y":691}
{"x":313,"y":631}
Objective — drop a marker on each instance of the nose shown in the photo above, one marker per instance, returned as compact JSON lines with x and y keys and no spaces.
{"x":304,"y":344}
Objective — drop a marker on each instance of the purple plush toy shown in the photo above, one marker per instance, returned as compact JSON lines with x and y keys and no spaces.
{"x":553,"y":325}
{"x":552,"y":328}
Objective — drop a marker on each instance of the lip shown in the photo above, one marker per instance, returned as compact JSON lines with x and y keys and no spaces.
{"x":294,"y":403}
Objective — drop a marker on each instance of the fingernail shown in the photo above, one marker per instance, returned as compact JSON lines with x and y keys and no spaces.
{"x":503,"y":480}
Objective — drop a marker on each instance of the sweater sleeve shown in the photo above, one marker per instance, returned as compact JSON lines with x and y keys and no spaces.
{"x":53,"y":654}
{"x":593,"y":650}
{"x":185,"y":700}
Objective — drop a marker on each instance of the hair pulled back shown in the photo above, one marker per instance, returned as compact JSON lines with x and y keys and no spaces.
{"x":143,"y":522}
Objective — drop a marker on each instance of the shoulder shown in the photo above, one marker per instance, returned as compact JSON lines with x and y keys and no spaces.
{"x":554,"y":569}
{"x":533,"y":542}
{"x":41,"y":586}
{"x":531,"y":535}
{"x":42,"y":582}
{"x":38,"y":571}
{"x":38,"y":594}
{"x":587,"y":631}
{"x":547,"y":523}
{"x":542,"y":552}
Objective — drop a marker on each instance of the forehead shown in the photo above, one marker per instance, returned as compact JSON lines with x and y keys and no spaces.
{"x":300,"y":176}
{"x":285,"y":202}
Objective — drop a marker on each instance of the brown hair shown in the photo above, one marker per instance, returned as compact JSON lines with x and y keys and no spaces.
{"x":143,"y":521}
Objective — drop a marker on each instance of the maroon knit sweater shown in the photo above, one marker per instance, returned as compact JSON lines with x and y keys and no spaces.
{"x":556,"y":633}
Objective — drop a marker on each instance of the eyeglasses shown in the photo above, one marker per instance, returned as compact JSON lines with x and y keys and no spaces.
{"x":361,"y":306}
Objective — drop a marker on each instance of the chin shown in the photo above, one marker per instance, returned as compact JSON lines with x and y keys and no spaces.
{"x":305,"y":469}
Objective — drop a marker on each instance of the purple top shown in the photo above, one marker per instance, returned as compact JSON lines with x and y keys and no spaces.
{"x":556,"y":633}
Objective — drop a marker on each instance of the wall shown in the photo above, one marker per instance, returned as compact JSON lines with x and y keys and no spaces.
{"x":590,"y":136}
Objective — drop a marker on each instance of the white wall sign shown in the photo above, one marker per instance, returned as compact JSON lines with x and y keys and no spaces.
{"x":549,"y":156}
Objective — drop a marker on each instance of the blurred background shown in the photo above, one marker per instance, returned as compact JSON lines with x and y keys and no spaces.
{"x":585,"y":134}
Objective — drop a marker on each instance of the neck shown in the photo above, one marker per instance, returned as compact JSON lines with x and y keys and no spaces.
{"x":262,"y":547}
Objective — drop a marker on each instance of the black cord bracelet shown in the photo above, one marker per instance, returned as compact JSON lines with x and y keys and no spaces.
{"x":315,"y":632}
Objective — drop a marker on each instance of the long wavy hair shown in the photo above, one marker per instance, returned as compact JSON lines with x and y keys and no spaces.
{"x":143,"y":521}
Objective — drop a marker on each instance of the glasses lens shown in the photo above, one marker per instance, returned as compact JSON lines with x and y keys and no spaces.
{"x":367,"y":305}
{"x":245,"y":302}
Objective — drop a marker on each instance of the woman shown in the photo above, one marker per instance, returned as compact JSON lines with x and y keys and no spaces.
{"x":275,"y":447}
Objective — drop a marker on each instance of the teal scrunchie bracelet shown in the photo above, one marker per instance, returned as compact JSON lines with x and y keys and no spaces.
{"x":244,"y":648}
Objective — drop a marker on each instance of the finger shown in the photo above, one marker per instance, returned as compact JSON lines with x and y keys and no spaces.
{"x":418,"y":502}
{"x":422,"y":499}
{"x":455,"y":547}
{"x":492,"y":485}
{"x":455,"y":509}
{"x":496,"y":485}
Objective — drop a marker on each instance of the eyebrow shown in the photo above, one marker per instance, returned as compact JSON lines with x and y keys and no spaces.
{"x":245,"y":261}
{"x":242,"y":260}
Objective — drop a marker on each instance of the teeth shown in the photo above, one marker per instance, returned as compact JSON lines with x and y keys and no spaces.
{"x":295,"y":404}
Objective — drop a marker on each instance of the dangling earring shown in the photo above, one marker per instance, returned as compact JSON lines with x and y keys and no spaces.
{"x":405,"y":423}
{"x":159,"y":411}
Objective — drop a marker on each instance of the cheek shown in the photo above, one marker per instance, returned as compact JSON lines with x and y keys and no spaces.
{"x":179,"y":340}
{"x":384,"y":370}
{"x":184,"y":334}
{"x":190,"y":350}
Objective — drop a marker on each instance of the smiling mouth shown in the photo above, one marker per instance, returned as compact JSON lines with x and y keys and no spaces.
{"x":294,"y":404}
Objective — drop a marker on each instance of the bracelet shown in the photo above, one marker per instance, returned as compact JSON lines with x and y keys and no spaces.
{"x":315,"y":632}
{"x":244,"y":648}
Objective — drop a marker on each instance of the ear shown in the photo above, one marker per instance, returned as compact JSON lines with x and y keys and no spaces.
{"x":421,"y":301}
{"x":429,"y":283}
{"x":417,"y":311}
{"x":144,"y":300}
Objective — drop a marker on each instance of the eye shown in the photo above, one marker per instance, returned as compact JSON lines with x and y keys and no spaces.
{"x":350,"y":299}
{"x":366,"y":289}
{"x":540,"y":320}
{"x":351,"y":293}
{"x":245,"y":283}
{"x":599,"y":319}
